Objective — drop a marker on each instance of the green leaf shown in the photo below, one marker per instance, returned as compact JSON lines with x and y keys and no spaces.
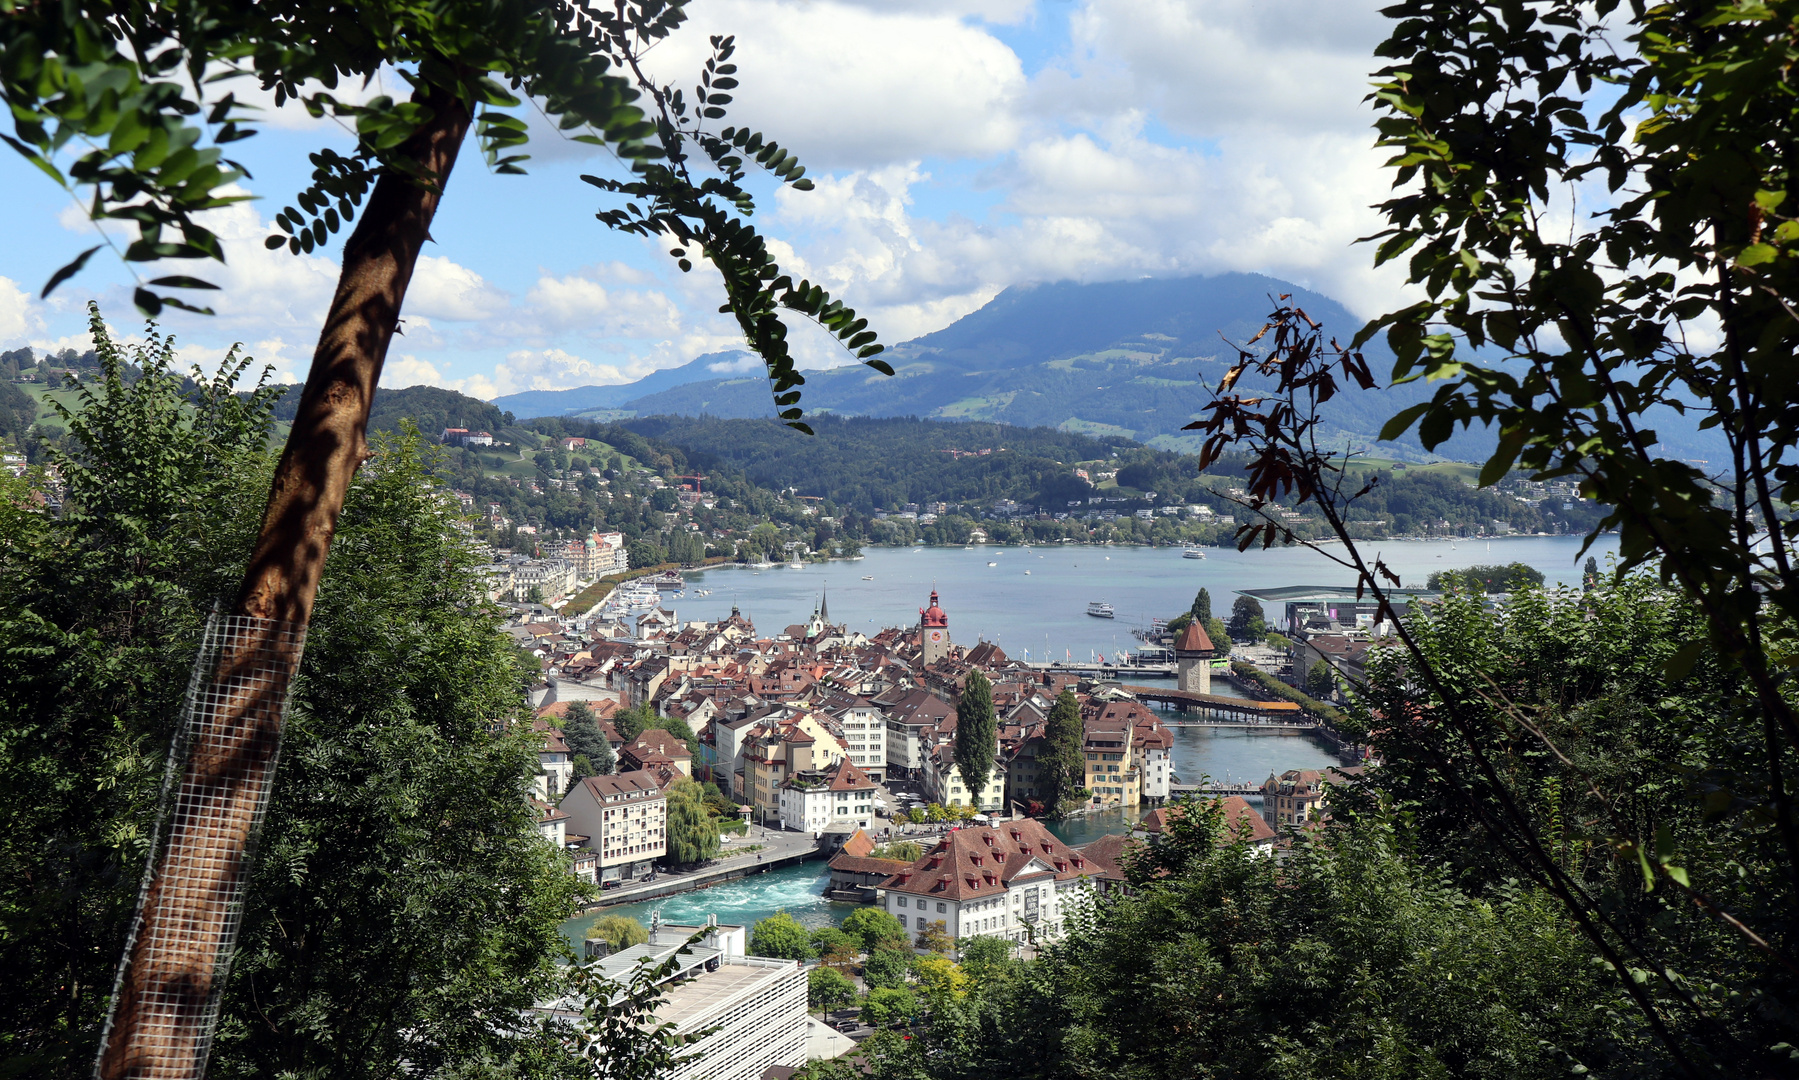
{"x":1757,"y":254}
{"x":70,"y":270}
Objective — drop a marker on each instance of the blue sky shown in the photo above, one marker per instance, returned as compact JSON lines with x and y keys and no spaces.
{"x":959,"y":147}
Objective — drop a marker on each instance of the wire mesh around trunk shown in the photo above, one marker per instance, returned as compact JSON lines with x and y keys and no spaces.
{"x":166,"y":997}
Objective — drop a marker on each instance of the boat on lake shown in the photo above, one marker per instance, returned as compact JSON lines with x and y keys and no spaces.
{"x":1099,"y":609}
{"x":1193,"y":553}
{"x":868,"y":577}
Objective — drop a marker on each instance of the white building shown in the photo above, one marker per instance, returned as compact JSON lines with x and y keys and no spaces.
{"x":993,"y":882}
{"x":864,"y":733}
{"x":555,"y":577}
{"x":842,"y":794}
{"x":754,"y":1006}
{"x":625,"y":819}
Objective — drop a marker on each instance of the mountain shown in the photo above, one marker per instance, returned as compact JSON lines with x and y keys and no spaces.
{"x":1126,"y":359}
{"x":589,"y":398}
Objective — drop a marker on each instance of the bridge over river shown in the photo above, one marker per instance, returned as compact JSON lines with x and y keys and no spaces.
{"x":1234,"y":711}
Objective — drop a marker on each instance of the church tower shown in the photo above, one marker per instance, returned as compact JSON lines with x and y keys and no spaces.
{"x":933,"y":631}
{"x":1193,"y":654}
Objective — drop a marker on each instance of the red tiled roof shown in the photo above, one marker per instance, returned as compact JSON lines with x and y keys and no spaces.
{"x":981,"y":862}
{"x":1193,"y":639}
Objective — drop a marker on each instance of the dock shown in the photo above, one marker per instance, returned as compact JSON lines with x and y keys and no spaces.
{"x":1102,"y":671}
{"x":1247,"y":791}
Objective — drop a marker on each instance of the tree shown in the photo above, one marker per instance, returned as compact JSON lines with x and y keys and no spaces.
{"x":405,"y":783}
{"x":977,"y":735}
{"x":828,"y":988}
{"x":899,"y":851}
{"x":1247,"y":622}
{"x":875,"y":929}
{"x":692,"y":832}
{"x":986,"y":958}
{"x":580,"y":769}
{"x":890,"y":1006}
{"x":634,"y":721}
{"x":1202,"y":606}
{"x":826,"y":938}
{"x":935,"y":938}
{"x":1062,"y":763}
{"x":619,"y":931}
{"x":780,"y":936}
{"x":1321,"y":680}
{"x":644,"y":553}
{"x":1468,"y":728}
{"x":153,"y":171}
{"x":1270,"y":947}
{"x":1589,"y":574}
{"x":581,"y":730}
{"x":1497,"y":579}
{"x":941,"y":977}
{"x":890,"y":965}
{"x":1220,"y":635}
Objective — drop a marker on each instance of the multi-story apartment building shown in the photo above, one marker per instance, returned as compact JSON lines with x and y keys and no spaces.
{"x":1112,"y":779}
{"x":864,"y":732}
{"x":625,"y":819}
{"x":841,"y":795}
{"x":1013,"y":880}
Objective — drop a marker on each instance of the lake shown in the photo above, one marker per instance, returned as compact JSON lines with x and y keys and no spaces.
{"x":1045,"y":611}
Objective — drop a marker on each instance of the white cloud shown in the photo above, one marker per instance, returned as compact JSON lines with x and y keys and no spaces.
{"x":19,"y":316}
{"x":582,"y":305}
{"x":858,"y":85}
{"x":408,"y":370}
{"x":443,"y":289}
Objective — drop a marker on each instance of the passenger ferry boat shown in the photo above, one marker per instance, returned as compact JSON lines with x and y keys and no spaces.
{"x":1193,"y":553}
{"x":1099,"y":609}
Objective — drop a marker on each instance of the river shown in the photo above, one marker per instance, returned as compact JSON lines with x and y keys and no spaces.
{"x":1046,"y":610}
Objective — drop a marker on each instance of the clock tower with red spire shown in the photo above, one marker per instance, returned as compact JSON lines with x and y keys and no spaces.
{"x":933,"y":631}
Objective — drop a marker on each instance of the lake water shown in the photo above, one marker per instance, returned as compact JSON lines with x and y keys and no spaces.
{"x":1045,"y":611}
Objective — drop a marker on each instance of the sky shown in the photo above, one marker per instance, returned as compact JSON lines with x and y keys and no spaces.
{"x":958,"y":147}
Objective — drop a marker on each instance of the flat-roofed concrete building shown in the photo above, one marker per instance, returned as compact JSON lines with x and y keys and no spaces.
{"x":754,"y":1006}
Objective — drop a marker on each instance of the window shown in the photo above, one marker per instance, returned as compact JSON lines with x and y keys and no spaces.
{"x":921,"y":922}
{"x":939,"y":909}
{"x":902,"y":901}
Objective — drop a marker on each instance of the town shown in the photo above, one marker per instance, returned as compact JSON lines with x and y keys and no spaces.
{"x":836,"y":745}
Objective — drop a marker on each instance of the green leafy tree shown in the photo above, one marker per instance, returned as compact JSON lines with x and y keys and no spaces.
{"x":100,"y":616}
{"x":935,"y":938}
{"x":1202,"y":606}
{"x":986,"y":958}
{"x":1247,"y":620}
{"x":826,"y":938}
{"x":1321,"y":680}
{"x":634,"y":721}
{"x":781,"y":936}
{"x":580,"y":769}
{"x":1589,"y":574}
{"x":899,"y":851}
{"x":619,"y":931}
{"x":890,"y":965}
{"x":977,"y":735}
{"x":692,"y":832}
{"x":828,"y":988}
{"x":1062,"y":763}
{"x":1498,"y":579}
{"x":1220,"y":635}
{"x":875,"y":929}
{"x":890,"y":1006}
{"x":581,"y":730}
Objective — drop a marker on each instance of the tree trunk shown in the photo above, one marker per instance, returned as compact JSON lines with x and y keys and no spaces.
{"x":175,"y":963}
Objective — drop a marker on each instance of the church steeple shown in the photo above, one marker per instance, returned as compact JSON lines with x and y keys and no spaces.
{"x":824,"y":606}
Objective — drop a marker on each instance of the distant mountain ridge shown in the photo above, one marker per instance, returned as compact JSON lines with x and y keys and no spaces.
{"x":1127,"y":359}
{"x":583,"y":398}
